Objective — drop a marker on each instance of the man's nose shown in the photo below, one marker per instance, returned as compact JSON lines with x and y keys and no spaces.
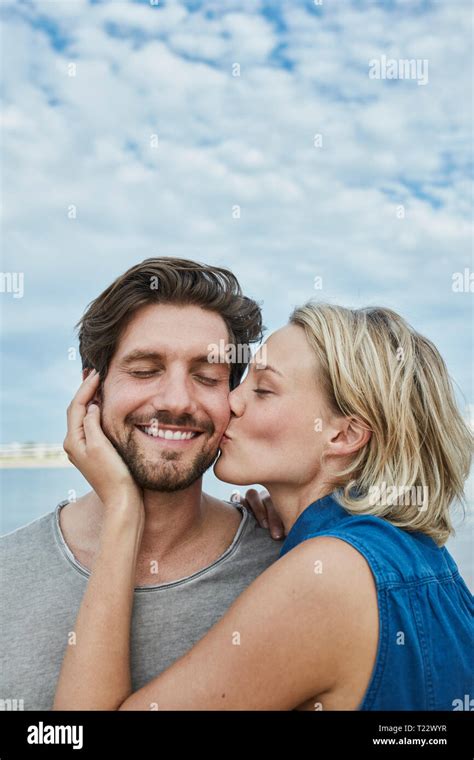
{"x":174,"y":394}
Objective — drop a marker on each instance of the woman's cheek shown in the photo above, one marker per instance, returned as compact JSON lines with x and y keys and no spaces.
{"x":268,"y":420}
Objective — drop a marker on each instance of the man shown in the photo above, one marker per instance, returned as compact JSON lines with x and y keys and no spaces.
{"x":164,"y":407}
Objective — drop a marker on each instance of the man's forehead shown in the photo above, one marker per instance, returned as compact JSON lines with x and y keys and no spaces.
{"x":167,"y":329}
{"x":185,"y":317}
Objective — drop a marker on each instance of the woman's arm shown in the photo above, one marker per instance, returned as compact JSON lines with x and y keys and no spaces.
{"x":95,"y":673}
{"x":272,"y":650}
{"x":90,"y":679}
{"x":288,"y":637}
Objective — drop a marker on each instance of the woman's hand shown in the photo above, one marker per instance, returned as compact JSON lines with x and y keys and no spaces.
{"x":261,"y":505}
{"x":89,"y":449}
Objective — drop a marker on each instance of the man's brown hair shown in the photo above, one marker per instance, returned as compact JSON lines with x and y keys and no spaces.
{"x":167,"y":280}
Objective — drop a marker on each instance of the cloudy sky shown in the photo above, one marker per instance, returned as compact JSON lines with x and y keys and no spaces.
{"x":132,"y":130}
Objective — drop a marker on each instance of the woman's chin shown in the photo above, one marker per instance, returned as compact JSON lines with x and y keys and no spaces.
{"x":231,"y":474}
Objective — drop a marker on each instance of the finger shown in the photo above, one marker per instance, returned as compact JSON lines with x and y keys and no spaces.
{"x":87,"y":389}
{"x":237,"y":498}
{"x":78,"y":406}
{"x":95,"y":437}
{"x":277,"y":529}
{"x":75,"y":441}
{"x":257,"y":507}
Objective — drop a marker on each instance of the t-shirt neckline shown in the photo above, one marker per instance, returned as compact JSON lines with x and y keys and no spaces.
{"x":80,"y":568}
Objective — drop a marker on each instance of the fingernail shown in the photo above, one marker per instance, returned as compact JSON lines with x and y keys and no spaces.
{"x":265,"y":523}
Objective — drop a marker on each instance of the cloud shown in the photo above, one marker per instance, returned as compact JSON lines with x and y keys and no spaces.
{"x":90,"y":87}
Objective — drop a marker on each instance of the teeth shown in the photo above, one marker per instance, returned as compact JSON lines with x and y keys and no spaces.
{"x":169,"y":435}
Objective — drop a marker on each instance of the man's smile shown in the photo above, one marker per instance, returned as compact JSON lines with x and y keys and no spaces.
{"x":168,"y":434}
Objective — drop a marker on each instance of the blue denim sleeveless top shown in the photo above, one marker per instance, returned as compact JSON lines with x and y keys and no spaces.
{"x":425,"y":649}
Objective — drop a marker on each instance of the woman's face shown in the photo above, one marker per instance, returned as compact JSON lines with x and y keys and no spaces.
{"x":280,"y":419}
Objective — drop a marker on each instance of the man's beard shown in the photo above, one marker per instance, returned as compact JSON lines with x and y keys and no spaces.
{"x":161,"y":475}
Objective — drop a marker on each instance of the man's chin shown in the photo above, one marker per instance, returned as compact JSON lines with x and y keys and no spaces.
{"x":166,"y":470}
{"x":170,"y":474}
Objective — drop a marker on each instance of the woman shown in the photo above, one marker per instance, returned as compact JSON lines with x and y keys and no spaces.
{"x":351,"y":425}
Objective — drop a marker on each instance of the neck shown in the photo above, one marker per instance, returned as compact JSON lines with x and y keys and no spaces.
{"x":290,"y":500}
{"x":172,"y":520}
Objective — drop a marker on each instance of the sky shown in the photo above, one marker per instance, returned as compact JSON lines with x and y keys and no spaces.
{"x":245,"y":134}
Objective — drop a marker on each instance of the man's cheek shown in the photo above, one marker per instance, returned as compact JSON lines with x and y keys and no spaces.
{"x":108,"y":416}
{"x":219,"y":413}
{"x":224,"y":418}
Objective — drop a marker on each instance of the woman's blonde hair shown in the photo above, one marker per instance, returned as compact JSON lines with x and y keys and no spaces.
{"x":375,"y":367}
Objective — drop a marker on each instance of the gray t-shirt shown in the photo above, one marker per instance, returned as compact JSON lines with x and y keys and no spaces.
{"x":43,"y":584}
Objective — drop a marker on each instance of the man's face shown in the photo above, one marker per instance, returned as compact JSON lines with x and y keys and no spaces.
{"x":164,"y":406}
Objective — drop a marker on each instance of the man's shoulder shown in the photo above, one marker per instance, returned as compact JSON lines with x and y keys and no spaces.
{"x":251,"y":543}
{"x":255,"y":540}
{"x":31,"y":563}
{"x":25,"y":536}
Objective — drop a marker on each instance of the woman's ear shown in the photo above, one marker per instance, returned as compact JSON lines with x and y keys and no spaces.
{"x":351,"y":435}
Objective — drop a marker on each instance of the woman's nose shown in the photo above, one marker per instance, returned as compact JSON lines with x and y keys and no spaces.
{"x":236,"y":401}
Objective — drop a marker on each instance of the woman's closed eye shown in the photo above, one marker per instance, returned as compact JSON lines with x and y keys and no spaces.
{"x":262,"y":392}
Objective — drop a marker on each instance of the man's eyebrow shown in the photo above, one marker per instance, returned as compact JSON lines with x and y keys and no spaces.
{"x":139,"y":354}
